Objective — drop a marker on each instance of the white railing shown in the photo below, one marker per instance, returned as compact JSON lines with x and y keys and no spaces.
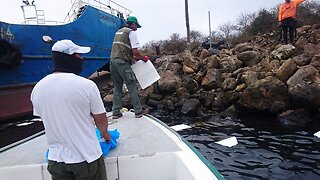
{"x":110,"y":7}
{"x":77,"y":7}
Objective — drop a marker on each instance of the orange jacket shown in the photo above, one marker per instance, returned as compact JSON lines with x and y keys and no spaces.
{"x":288,"y":10}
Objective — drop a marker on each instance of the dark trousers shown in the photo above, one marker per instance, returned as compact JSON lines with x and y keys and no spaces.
{"x":95,"y":170}
{"x":121,"y":72}
{"x":288,"y":25}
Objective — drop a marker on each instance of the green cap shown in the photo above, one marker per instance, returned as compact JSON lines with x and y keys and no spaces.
{"x":134,"y":20}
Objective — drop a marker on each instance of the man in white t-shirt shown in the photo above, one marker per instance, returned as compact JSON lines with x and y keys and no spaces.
{"x":124,"y":53}
{"x":71,"y":108}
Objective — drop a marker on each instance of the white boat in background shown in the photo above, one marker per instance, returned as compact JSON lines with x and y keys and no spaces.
{"x":147,"y":150}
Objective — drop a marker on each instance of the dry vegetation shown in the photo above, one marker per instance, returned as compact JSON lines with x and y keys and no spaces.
{"x":246,"y":26}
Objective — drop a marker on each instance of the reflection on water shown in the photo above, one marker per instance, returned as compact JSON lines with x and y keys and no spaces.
{"x":264,"y":150}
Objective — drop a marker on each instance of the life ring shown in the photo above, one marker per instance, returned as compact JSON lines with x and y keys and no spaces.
{"x":10,"y":55}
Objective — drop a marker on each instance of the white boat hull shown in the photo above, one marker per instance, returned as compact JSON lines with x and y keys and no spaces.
{"x":147,"y":149}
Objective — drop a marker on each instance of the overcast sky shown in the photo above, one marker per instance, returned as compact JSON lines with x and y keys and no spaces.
{"x":159,"y":18}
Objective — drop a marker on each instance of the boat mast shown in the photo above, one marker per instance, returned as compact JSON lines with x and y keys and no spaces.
{"x":187,"y":23}
{"x":209,"y":25}
{"x":36,"y":18}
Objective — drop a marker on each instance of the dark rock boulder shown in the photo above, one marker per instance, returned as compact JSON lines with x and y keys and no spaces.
{"x":304,"y":87}
{"x":212,"y":79}
{"x":190,"y":106}
{"x":268,"y":95}
{"x":287,"y":69}
{"x":297,"y":117}
{"x":250,"y":58}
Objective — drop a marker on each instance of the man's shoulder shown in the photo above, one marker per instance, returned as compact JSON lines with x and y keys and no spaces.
{"x":125,"y":29}
{"x":84,"y":80}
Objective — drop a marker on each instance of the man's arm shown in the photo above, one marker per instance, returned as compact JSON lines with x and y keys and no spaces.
{"x":101,"y":122}
{"x":280,"y":14}
{"x":136,"y":54}
{"x":135,"y":45}
{"x":297,"y":2}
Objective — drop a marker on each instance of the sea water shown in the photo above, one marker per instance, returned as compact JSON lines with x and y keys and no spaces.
{"x":265,"y":149}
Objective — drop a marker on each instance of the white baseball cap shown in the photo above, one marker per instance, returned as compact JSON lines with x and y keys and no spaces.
{"x":68,"y":47}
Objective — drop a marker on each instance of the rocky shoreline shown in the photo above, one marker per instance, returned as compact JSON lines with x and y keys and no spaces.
{"x":260,"y":76}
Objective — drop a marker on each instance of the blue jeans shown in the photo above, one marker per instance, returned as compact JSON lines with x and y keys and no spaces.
{"x":121,"y":72}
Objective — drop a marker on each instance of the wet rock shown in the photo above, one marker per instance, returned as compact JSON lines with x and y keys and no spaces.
{"x":212,"y":62}
{"x":266,"y":95}
{"x":183,"y":93}
{"x":199,"y":76}
{"x":315,"y":62}
{"x":168,"y":104}
{"x":312,"y":49}
{"x":213,"y":51}
{"x":274,"y":65}
{"x":239,"y":48}
{"x":283,"y":52}
{"x":204,"y":54}
{"x":153,"y":103}
{"x":302,"y":41}
{"x":217,"y":102}
{"x":316,"y":26}
{"x":302,"y":60}
{"x":156,"y":97}
{"x":205,"y":98}
{"x":297,"y":117}
{"x":315,"y":35}
{"x":228,"y":64}
{"x":212,"y":79}
{"x":231,"y":112}
{"x":287,"y":69}
{"x":249,"y":77}
{"x":169,"y":81}
{"x":190,"y":106}
{"x":187,"y":70}
{"x":303,"y":30}
{"x":174,"y":67}
{"x":190,"y":84}
{"x":240,"y":88}
{"x":250,"y":58}
{"x":229,"y":84}
{"x":190,"y":61}
{"x":304,"y":87}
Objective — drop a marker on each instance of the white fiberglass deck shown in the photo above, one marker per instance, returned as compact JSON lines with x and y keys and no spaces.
{"x":146,"y":150}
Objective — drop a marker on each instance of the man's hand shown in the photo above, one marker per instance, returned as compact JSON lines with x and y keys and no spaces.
{"x":107,"y":136}
{"x":280,"y":24}
{"x":145,"y":58}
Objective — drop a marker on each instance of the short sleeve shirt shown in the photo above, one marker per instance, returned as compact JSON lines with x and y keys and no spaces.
{"x":65,"y":102}
{"x":134,"y":39}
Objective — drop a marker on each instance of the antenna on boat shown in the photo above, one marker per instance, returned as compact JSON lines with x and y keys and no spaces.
{"x":26,"y":2}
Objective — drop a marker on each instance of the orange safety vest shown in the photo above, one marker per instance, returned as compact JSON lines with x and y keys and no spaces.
{"x":288,"y":10}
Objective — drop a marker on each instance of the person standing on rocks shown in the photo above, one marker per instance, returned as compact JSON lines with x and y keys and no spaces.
{"x":287,"y":19}
{"x":124,"y":53}
{"x":71,"y":108}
